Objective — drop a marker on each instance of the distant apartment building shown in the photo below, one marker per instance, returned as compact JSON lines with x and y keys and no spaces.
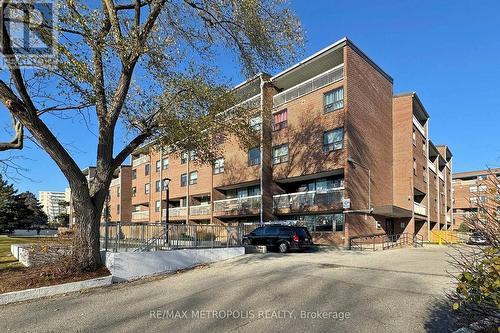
{"x":118,"y":204}
{"x":54,"y":203}
{"x":475,"y":193}
{"x":338,"y":151}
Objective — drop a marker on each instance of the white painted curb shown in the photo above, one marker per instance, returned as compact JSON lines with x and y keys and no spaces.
{"x":24,"y":295}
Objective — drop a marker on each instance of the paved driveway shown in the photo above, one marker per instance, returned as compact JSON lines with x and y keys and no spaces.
{"x":332,"y":291}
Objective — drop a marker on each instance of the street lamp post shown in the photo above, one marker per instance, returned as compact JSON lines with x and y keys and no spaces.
{"x":165,"y":184}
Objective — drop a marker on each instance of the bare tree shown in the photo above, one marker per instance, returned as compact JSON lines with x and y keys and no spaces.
{"x":476,"y":297}
{"x":148,"y":63}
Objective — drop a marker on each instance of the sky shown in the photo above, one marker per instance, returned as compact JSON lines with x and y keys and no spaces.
{"x":446,"y":51}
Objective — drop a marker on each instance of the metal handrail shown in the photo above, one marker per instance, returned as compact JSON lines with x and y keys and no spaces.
{"x":386,"y":241}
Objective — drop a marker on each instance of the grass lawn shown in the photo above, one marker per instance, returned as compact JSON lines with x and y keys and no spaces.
{"x":7,"y":260}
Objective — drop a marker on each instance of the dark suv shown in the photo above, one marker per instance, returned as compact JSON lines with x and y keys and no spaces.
{"x":283,"y":238}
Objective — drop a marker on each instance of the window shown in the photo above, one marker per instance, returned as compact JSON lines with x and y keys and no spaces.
{"x":134,"y":174}
{"x":118,"y":191}
{"x":280,"y":120}
{"x":184,"y":179}
{"x":333,"y":140}
{"x":134,"y":191}
{"x":157,"y":186}
{"x":193,"y":155}
{"x":158,"y":166}
{"x":118,"y":209}
{"x":472,"y":189}
{"x":193,"y":177}
{"x":146,"y":188}
{"x":146,"y":169}
{"x":333,"y":100}
{"x":164,"y":163}
{"x":184,"y":157}
{"x":255,"y":123}
{"x":219,"y":165}
{"x":254,"y":156}
{"x":157,"y":205}
{"x":324,"y":223}
{"x":280,"y":154}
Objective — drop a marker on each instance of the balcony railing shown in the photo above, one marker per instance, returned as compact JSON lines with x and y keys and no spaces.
{"x":140,"y":215}
{"x":419,"y":126}
{"x":441,"y":176}
{"x":323,"y":79}
{"x":176,"y":211}
{"x":237,"y":205}
{"x":301,"y":200}
{"x":251,"y":103}
{"x":419,"y":209}
{"x":115,"y":182}
{"x":140,"y":160}
{"x":199,"y":210}
{"x":431,"y":166}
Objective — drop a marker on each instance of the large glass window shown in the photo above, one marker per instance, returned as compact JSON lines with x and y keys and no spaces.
{"x":254,"y":156}
{"x":280,"y":154}
{"x":280,"y":120}
{"x":184,"y":179}
{"x":323,"y":222}
{"x":334,"y":100}
{"x":158,"y":166}
{"x":219,"y":165}
{"x":164,"y":163}
{"x":333,"y":140}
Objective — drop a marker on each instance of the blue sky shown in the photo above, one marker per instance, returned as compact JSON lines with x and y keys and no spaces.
{"x":446,"y":51}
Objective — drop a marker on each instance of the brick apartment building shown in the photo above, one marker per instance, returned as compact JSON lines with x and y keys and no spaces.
{"x":338,"y":151}
{"x":119,"y":202}
{"x":474,"y":190}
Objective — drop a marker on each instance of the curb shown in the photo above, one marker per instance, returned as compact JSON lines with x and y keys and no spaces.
{"x":28,"y":294}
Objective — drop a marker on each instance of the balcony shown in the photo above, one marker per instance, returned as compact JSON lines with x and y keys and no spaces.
{"x":238,"y":206}
{"x":199,"y":210}
{"x":330,"y":76}
{"x":140,"y":160}
{"x":419,"y":209}
{"x":115,"y":182}
{"x":419,"y":126}
{"x":175,"y":212}
{"x":140,"y":215}
{"x":307,"y":201}
{"x":431,"y":166}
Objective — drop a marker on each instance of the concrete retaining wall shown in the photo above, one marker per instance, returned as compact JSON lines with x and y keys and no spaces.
{"x":24,"y":295}
{"x":133,"y":265}
{"x":38,"y":254}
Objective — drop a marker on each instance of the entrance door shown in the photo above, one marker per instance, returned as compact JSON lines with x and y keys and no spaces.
{"x":389,"y":226}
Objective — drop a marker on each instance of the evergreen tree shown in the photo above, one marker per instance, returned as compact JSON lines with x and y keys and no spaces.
{"x":8,"y":203}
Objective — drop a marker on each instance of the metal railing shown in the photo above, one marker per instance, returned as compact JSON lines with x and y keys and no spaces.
{"x":237,"y":205}
{"x":300,"y":200}
{"x":376,"y":242}
{"x":199,"y":210}
{"x":323,"y":79}
{"x":419,"y":209}
{"x":127,"y":237}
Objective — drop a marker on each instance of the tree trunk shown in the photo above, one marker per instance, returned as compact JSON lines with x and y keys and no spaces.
{"x":87,"y":219}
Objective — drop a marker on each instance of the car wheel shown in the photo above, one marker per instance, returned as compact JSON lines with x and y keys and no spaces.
{"x":283,"y":248}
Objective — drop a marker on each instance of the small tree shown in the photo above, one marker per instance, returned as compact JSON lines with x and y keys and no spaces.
{"x":477,"y":294}
{"x":148,"y":63}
